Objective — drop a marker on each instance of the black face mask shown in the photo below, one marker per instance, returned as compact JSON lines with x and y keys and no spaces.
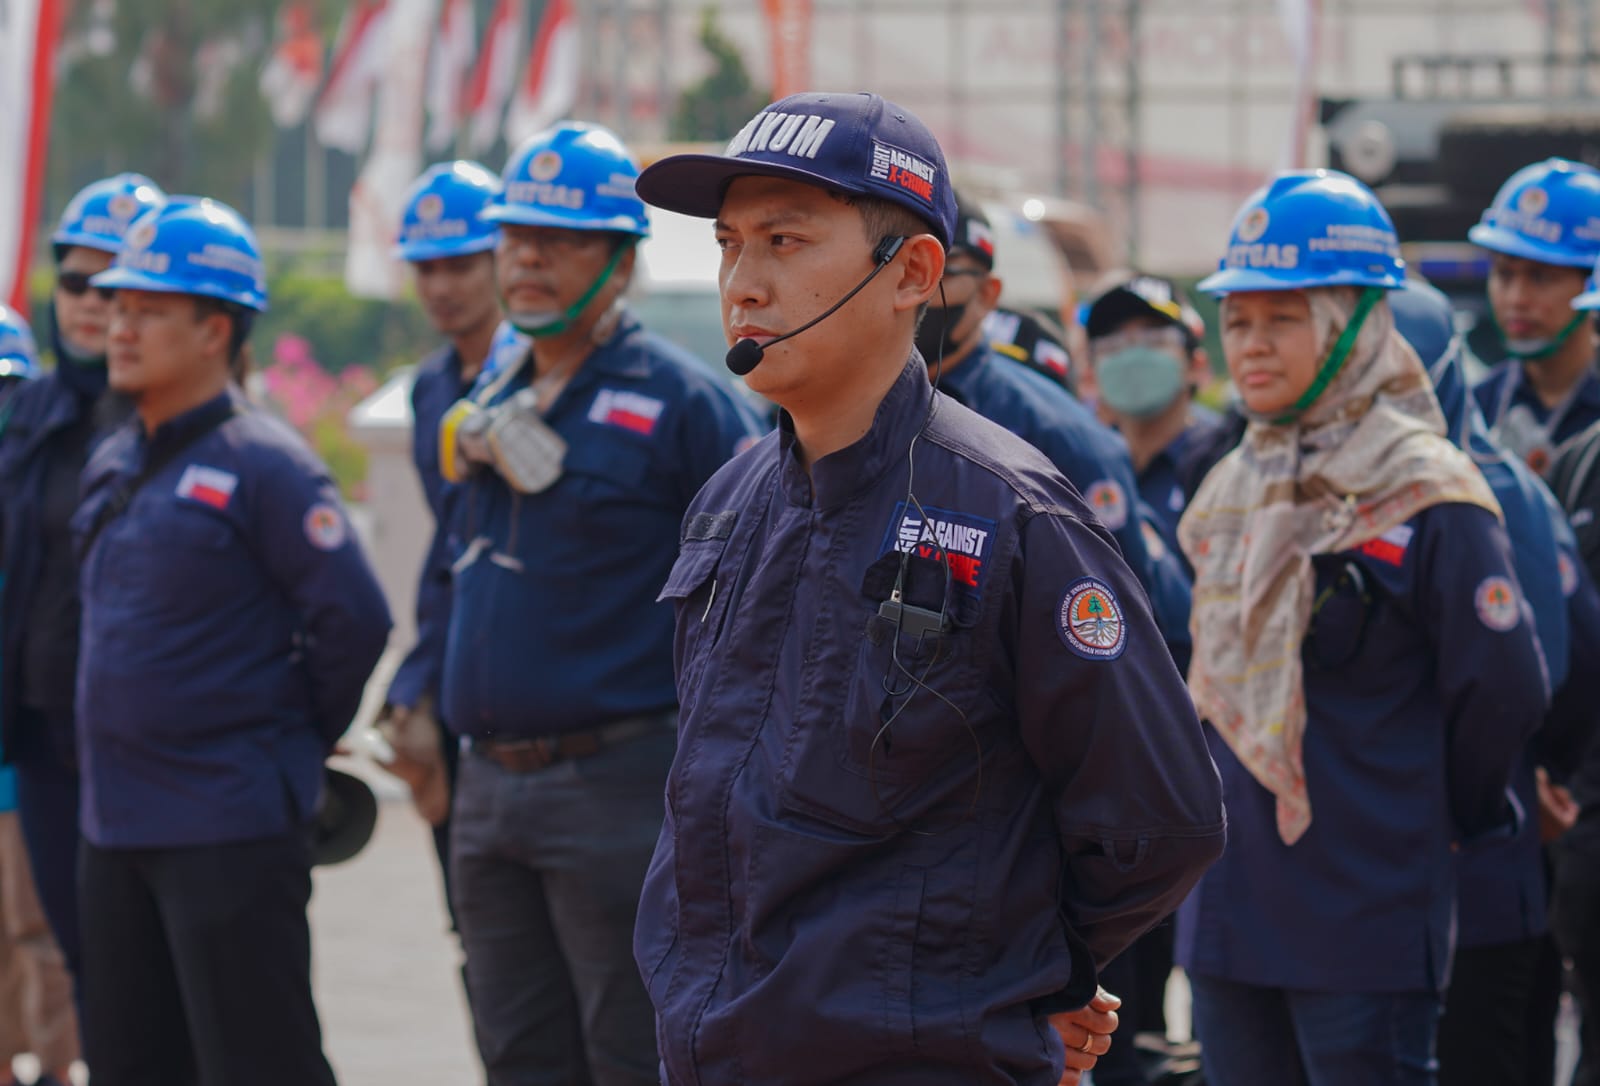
{"x":935,"y":336}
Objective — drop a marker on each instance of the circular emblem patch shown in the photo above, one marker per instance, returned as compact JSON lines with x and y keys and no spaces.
{"x":141,"y":235}
{"x":1533,"y":201}
{"x":1090,"y":621}
{"x":325,"y":527}
{"x":544,"y":165}
{"x":1497,"y":604}
{"x":1254,"y":225}
{"x":1109,"y":503}
{"x":123,"y":206}
{"x":431,"y":207}
{"x":1569,"y":573}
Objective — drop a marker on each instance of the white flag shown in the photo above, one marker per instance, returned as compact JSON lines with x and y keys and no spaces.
{"x":448,"y":69}
{"x":549,"y":87}
{"x":371,"y":268}
{"x":290,"y":77}
{"x":343,"y":116}
{"x":28,"y":33}
{"x":492,"y":81}
{"x":1299,"y":20}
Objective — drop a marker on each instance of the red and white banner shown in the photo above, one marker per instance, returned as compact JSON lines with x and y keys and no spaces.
{"x":29,"y":30}
{"x":789,"y":24}
{"x":343,"y":116}
{"x":377,"y":199}
{"x":549,"y":88}
{"x":492,"y":80}
{"x":290,"y":77}
{"x":449,"y":67}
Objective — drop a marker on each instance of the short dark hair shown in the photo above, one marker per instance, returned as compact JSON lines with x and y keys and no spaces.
{"x":882,"y":219}
{"x":240,"y":318}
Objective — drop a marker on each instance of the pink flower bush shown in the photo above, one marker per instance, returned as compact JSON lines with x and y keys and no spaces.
{"x":318,"y":405}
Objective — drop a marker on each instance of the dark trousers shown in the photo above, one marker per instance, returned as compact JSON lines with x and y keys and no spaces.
{"x":1138,"y":976}
{"x":47,"y":804}
{"x":1255,"y":1036}
{"x":1484,"y":1037}
{"x":547,"y":868}
{"x":441,"y":832}
{"x":1575,"y":918}
{"x":201,"y":970}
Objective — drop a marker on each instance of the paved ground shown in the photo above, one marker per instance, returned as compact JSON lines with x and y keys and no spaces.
{"x":387,"y":978}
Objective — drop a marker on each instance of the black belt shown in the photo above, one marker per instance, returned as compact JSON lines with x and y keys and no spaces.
{"x":531,"y":755}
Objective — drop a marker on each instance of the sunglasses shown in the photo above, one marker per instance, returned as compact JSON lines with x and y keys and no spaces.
{"x":76,"y":283}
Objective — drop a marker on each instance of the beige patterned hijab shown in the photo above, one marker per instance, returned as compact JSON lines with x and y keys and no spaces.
{"x":1367,"y":456}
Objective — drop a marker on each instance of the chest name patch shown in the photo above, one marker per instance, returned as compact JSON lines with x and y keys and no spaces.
{"x":1497,"y":604}
{"x":1390,"y":547}
{"x":629,"y":410}
{"x":1109,"y":502}
{"x":1090,"y":621}
{"x":965,"y":541}
{"x":212,"y":486}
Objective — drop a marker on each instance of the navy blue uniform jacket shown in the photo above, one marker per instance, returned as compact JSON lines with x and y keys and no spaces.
{"x":1094,"y":459}
{"x":230,"y":622}
{"x":437,"y":385}
{"x":50,"y":425}
{"x":1423,"y":680}
{"x":887,"y":857}
{"x":554,"y":626}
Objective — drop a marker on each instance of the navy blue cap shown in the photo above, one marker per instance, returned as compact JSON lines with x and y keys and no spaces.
{"x":859,"y":144}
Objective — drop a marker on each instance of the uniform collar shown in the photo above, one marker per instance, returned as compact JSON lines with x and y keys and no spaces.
{"x":1588,"y":392}
{"x":958,"y":382}
{"x":183,"y":428}
{"x":616,"y":356}
{"x":841,"y":476}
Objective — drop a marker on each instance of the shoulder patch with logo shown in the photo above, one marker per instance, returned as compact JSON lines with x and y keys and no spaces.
{"x":629,"y":410}
{"x":325,"y":527}
{"x":1569,"y":573}
{"x":1497,"y":604}
{"x":1090,"y":621}
{"x":212,"y":486}
{"x":1390,"y":547}
{"x":965,"y":541}
{"x":1109,"y":502}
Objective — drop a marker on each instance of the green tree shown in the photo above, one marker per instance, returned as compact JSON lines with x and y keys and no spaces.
{"x":715,"y":107}
{"x":175,"y":95}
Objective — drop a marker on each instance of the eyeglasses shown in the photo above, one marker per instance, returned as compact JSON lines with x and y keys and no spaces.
{"x":552,"y":241}
{"x":76,"y":283}
{"x":1170,"y":337}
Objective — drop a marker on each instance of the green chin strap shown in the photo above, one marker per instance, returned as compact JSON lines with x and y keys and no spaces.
{"x":575,"y":310}
{"x":1336,"y":357}
{"x":1548,"y":349}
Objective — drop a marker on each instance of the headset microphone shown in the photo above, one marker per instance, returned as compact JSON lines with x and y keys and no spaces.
{"x":746,"y":354}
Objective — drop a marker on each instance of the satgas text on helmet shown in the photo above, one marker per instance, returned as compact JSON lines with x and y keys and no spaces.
{"x":799,"y":134}
{"x":544,"y":195}
{"x":1264,"y":256}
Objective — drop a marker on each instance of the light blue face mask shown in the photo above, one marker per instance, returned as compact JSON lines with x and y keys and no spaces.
{"x":1139,"y":382}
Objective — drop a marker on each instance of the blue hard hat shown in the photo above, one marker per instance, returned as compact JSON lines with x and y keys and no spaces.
{"x":101,"y":213}
{"x":191,"y":245}
{"x":1310,"y":228}
{"x":1590,"y":298}
{"x":573,"y":175}
{"x":1549,"y":212}
{"x":441,"y":215}
{"x":19,"y":355}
